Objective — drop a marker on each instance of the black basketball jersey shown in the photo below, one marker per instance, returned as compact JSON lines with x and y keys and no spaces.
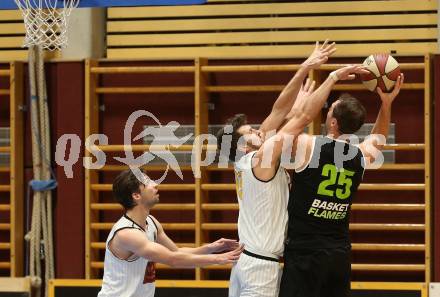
{"x":322,"y":194}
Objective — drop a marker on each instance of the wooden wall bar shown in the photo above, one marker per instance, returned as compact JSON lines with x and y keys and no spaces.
{"x":260,"y":29}
{"x":233,"y":29}
{"x":436,"y":171}
{"x":11,"y":210}
{"x":391,"y":236}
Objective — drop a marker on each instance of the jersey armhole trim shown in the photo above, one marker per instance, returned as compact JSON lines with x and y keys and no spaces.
{"x":260,"y":180}
{"x":363,"y":164}
{"x":108,"y":244}
{"x":310,"y":157}
{"x":155,"y":225}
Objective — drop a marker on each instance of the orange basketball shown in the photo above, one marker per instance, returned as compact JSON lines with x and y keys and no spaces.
{"x":384,"y":71}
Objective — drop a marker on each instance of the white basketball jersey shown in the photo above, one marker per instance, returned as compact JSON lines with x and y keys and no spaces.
{"x":133,"y":277}
{"x":262,"y":219}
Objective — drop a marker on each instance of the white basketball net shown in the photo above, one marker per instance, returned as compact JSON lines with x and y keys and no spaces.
{"x":46,"y":25}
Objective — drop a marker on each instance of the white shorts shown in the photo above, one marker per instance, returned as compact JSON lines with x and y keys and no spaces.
{"x":255,"y":277}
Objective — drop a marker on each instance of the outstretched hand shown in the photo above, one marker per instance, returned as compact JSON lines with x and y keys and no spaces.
{"x":348,"y":72}
{"x":388,"y":98}
{"x":320,"y":55}
{"x":223,"y":244}
{"x":230,"y":257}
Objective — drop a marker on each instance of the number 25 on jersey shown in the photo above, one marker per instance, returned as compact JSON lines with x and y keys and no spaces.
{"x":340,"y":177}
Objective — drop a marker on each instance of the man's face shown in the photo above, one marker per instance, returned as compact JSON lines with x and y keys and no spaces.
{"x":149,"y":194}
{"x":330,"y":117}
{"x":252,"y":137}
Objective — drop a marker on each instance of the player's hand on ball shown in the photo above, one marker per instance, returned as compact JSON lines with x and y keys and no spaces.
{"x":320,"y":55}
{"x":348,"y":72}
{"x":230,"y":257}
{"x":223,"y":244}
{"x":388,"y":98}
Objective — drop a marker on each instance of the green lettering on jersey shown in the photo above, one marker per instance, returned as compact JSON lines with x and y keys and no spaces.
{"x":341,"y":177}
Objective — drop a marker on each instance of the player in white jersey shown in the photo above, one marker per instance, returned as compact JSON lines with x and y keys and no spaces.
{"x":137,"y":241}
{"x":263,"y":185}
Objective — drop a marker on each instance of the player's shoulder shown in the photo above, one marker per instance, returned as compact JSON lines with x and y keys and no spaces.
{"x":127,"y":235}
{"x":245,"y":161}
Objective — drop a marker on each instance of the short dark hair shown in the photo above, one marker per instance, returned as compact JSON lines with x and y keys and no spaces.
{"x":125,"y":184}
{"x":236,"y":122}
{"x":350,"y":114}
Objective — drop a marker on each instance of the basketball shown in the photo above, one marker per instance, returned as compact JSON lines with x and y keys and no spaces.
{"x":384,"y":71}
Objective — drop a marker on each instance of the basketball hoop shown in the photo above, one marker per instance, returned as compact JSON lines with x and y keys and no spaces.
{"x":46,"y":22}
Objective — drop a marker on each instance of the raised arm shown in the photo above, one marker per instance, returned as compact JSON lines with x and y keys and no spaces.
{"x":303,"y":112}
{"x":311,"y":105}
{"x":305,"y":91}
{"x":134,"y":241}
{"x":287,"y":97}
{"x":382,"y":124}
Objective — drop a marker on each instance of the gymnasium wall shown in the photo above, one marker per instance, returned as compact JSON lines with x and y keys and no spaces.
{"x":258,"y":29}
{"x":257,"y":105}
{"x":262,"y":28}
{"x":273,"y":29}
{"x":4,"y":176}
{"x":66,"y":95}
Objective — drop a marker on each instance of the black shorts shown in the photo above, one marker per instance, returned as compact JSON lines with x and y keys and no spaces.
{"x":316,"y":273}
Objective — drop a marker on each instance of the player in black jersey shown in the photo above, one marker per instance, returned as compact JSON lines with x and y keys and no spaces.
{"x":317,"y":252}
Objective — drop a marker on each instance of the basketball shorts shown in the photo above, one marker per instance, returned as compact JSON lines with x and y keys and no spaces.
{"x":316,"y":273}
{"x":254,"y":276}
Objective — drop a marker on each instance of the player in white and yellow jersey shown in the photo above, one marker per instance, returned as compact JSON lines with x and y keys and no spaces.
{"x":263,"y":185}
